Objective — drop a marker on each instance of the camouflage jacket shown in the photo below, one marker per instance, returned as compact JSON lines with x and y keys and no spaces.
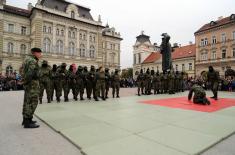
{"x":45,"y":74}
{"x":198,"y":91}
{"x":30,"y":70}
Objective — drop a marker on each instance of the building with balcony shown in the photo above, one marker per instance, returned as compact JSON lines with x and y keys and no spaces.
{"x":215,"y":45}
{"x":66,"y":32}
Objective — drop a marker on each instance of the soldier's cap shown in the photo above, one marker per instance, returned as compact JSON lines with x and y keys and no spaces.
{"x":63,"y":64}
{"x":92,"y":66}
{"x":106,"y":69}
{"x":85,"y":67}
{"x":37,"y":50}
{"x":80,"y":68}
{"x":44,"y":62}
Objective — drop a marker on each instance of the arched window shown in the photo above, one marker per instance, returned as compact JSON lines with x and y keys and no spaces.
{"x":59,"y":47}
{"x":62,"y":32}
{"x":71,"y":48}
{"x":9,"y":70}
{"x":90,"y":38}
{"x":92,"y":51}
{"x":57,"y":32}
{"x":49,"y":29}
{"x":72,"y":14}
{"x":44,"y":29}
{"x":84,"y":36}
{"x":23,"y":49}
{"x":10,"y":47}
{"x":80,"y":36}
{"x":47,"y":45}
{"x":74,"y":34}
{"x":82,"y":50}
{"x":69,"y":34}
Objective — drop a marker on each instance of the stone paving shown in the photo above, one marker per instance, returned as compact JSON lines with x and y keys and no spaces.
{"x":127,"y":127}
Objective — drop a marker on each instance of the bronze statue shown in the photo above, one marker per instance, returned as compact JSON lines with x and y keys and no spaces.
{"x":166,"y":51}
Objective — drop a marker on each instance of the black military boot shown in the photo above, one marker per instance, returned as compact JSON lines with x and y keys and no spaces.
{"x":66,"y":99}
{"x":96,"y":99}
{"x":118,"y":96}
{"x":58,"y":100}
{"x":29,"y":125}
{"x":113,"y":96}
{"x":103,"y":98}
{"x":216,"y":96}
{"x":75,"y":98}
{"x":32,"y":121}
{"x":49,"y":100}
{"x":81,"y":98}
{"x":40,"y":101}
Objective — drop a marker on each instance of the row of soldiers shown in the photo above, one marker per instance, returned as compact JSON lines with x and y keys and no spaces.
{"x":162,"y":83}
{"x":58,"y":79}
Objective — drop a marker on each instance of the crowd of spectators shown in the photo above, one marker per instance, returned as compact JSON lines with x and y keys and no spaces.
{"x":12,"y":81}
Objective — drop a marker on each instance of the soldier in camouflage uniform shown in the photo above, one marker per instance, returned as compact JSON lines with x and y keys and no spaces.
{"x":213,"y":79}
{"x":31,"y":87}
{"x":91,"y":83}
{"x":171,"y":80}
{"x":80,"y":82}
{"x":86,"y":81}
{"x":147,"y":83}
{"x":100,"y":84}
{"x":156,"y":83}
{"x":140,"y":82}
{"x":116,"y":83}
{"x":72,"y":82}
{"x":45,"y":81}
{"x":55,"y":82}
{"x":199,"y":95}
{"x":107,"y":82}
{"x":181,"y":82}
{"x":63,"y":76}
{"x":177,"y":81}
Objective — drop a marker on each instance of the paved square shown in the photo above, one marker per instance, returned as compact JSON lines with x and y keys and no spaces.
{"x":127,"y":127}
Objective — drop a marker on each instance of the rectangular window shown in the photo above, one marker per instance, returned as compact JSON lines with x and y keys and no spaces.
{"x":234,"y":52}
{"x":190,"y":66}
{"x":224,"y":54}
{"x":214,"y":40}
{"x":213,"y":55}
{"x":134,"y":59}
{"x":204,"y":56}
{"x":202,"y":42}
{"x":176,"y":67}
{"x":183,"y":67}
{"x":139,"y":58}
{"x":10,"y":27}
{"x":233,"y":35}
{"x":206,"y":41}
{"x":23,"y":30}
{"x":223,"y":38}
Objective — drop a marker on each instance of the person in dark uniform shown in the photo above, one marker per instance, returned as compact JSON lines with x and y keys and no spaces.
{"x":199,"y":95}
{"x":80,"y":83}
{"x":116,"y":83}
{"x":100,"y":84}
{"x":213,"y":79}
{"x":107,"y":82}
{"x":91,"y":83}
{"x":140,"y":82}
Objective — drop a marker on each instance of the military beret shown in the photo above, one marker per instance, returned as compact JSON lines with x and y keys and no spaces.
{"x":38,"y":50}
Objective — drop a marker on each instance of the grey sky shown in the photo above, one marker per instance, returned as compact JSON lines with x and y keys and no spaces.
{"x":179,"y":18}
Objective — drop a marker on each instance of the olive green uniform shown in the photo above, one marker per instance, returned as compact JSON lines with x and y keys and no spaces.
{"x":116,"y":84}
{"x":45,"y":82}
{"x":100,"y":84}
{"x":199,"y":95}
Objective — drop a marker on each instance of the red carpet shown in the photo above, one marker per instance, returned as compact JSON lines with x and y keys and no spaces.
{"x":183,"y":103}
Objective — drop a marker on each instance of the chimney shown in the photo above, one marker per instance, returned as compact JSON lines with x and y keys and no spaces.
{"x":30,"y":6}
{"x":221,"y":17}
{"x":175,"y":45}
{"x":190,"y":42}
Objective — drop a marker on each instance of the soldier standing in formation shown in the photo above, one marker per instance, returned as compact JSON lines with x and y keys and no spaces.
{"x":147,"y":82}
{"x":55,"y":82}
{"x":100,"y":84}
{"x":107,"y":82}
{"x":91,"y":83}
{"x":45,"y":81}
{"x":116,"y":83}
{"x":72,"y":82}
{"x":31,"y":87}
{"x":140,"y":82}
{"x":63,"y":75}
{"x":80,"y":82}
{"x":213,"y":79}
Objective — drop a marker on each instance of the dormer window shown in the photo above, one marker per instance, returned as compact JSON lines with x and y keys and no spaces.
{"x":232,"y":17}
{"x":72,"y":14}
{"x":212,"y":23}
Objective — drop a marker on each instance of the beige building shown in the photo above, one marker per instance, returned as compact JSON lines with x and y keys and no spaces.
{"x":141,"y":50}
{"x":215,"y":45}
{"x":183,"y":59}
{"x":66,"y":32}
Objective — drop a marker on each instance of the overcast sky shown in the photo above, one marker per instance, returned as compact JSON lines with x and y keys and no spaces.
{"x":179,"y":18}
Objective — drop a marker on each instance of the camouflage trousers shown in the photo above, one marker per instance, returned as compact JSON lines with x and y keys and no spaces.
{"x":90,"y":88}
{"x":100,"y":88}
{"x":55,"y":85}
{"x":116,"y":88}
{"x":45,"y":85}
{"x":140,"y":87}
{"x":31,"y":96}
{"x":79,"y":89}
